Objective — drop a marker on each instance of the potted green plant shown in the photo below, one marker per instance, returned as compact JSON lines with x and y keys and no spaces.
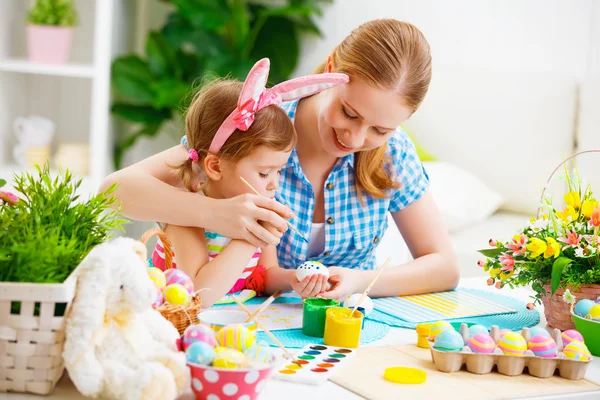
{"x":46,"y":230}
{"x":50,"y":31}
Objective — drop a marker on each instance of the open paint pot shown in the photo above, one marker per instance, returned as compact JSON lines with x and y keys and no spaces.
{"x":217,"y":319}
{"x":313,"y":316}
{"x":340,"y":330}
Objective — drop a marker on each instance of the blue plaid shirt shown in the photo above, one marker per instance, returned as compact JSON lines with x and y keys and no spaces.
{"x":352,"y":230}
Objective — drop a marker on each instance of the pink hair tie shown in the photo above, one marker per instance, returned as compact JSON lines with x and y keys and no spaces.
{"x":193,"y":155}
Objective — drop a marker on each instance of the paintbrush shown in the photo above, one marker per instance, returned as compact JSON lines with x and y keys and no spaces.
{"x":288,"y":222}
{"x":264,"y":305}
{"x":268,"y":332}
{"x":360,"y":300}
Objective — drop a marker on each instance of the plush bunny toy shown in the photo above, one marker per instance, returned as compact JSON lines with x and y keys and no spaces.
{"x":117,"y":346}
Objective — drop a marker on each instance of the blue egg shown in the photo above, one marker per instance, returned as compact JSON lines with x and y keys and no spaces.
{"x":475,"y":329}
{"x":536,"y":330}
{"x":449,"y":340}
{"x":583,"y":306}
{"x":260,"y":353}
{"x":200,"y":353}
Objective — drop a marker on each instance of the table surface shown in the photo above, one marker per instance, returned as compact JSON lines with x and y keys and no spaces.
{"x":396,"y":336}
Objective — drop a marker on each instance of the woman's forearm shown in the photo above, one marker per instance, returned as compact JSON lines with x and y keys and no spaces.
{"x":278,"y":278}
{"x":430,"y":273}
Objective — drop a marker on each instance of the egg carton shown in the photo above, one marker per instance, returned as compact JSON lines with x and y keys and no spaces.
{"x":510,"y":365}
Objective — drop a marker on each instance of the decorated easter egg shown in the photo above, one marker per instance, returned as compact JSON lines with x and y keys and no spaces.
{"x":583,"y":307}
{"x":475,"y":329}
{"x":367,"y":303}
{"x":309,"y":268}
{"x":597,"y":301}
{"x":157,"y":276}
{"x":482,"y":343}
{"x":595,"y":311}
{"x":259,"y":354}
{"x":229,"y":358}
{"x":160,"y":298}
{"x":177,"y":276}
{"x":542,"y":346}
{"x":536,"y":330}
{"x":176,"y":294}
{"x":200,"y":353}
{"x":504,"y":332}
{"x":198,"y":333}
{"x":576,"y":350}
{"x":513,"y":344}
{"x":236,"y":337}
{"x":569,"y":335}
{"x":438,"y":328}
{"x":449,"y":340}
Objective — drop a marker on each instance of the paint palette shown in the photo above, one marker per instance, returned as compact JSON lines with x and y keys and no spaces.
{"x":317,"y":364}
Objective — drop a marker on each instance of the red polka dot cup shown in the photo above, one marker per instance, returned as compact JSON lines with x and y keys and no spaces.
{"x":210,"y":383}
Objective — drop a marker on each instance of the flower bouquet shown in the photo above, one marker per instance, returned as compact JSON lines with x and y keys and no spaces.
{"x":556,"y":250}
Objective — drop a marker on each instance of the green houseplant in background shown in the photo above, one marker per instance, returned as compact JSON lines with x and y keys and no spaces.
{"x":47,"y":230}
{"x":50,"y":31}
{"x":200,"y":38}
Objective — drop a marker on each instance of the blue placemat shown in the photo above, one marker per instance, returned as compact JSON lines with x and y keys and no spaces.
{"x":514,"y":321}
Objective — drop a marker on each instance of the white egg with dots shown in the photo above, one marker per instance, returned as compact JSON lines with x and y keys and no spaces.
{"x":309,"y":268}
{"x":367,"y":303}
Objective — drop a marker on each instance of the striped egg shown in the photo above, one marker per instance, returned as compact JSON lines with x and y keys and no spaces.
{"x":198,"y":333}
{"x":160,"y":298}
{"x":482,"y":343}
{"x":513,"y":344}
{"x":236,"y":337}
{"x":229,"y":358}
{"x":504,"y":332}
{"x":570,"y":335}
{"x":449,"y":340}
{"x":577,"y":350}
{"x":475,"y":329}
{"x":536,"y":330}
{"x":438,"y":328}
{"x":157,"y":276}
{"x":200,"y":353}
{"x":542,"y":346}
{"x":175,"y":275}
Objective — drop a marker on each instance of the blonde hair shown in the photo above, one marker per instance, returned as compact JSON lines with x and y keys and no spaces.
{"x":388,"y":54}
{"x":210,"y":107}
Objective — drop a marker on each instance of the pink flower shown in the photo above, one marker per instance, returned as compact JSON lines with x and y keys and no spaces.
{"x":508,"y":263}
{"x":595,"y":219}
{"x":572,"y":239}
{"x":519,"y":245}
{"x":8,"y":198}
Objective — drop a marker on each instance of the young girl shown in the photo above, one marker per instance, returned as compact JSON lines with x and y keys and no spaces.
{"x":252,"y":142}
{"x":351,"y":166}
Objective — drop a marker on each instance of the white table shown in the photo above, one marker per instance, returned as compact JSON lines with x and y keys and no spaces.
{"x":396,"y":336}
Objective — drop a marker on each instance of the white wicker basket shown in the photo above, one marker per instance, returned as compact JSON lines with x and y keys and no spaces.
{"x":31,"y":346}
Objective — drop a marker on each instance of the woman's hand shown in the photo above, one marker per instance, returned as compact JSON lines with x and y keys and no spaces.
{"x":345,"y":281}
{"x":238,"y":218}
{"x":310,"y":286}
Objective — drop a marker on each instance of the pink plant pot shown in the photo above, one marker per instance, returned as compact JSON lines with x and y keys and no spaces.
{"x":49,"y":44}
{"x":212,"y":383}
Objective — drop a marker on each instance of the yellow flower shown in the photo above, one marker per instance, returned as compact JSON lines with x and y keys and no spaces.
{"x":504,"y":275}
{"x":536,"y":247}
{"x":572,"y":199}
{"x":553,"y":248}
{"x":568,"y":214}
{"x":588,"y":206}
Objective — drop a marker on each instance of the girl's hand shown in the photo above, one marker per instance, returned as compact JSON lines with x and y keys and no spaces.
{"x":310,"y":286}
{"x":238,"y":218}
{"x":345,"y":281}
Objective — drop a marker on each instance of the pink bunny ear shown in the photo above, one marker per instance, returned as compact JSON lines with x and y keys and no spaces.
{"x":307,"y":85}
{"x":255,"y":83}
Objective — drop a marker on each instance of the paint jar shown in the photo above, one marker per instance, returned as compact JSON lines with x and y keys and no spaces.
{"x":422,"y":335}
{"x":341,"y":331}
{"x":313,"y":317}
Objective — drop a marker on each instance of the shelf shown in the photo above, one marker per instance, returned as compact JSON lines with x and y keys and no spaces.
{"x":28,"y":67}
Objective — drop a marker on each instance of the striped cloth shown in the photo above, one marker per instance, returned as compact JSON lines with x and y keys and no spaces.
{"x":215,"y":243}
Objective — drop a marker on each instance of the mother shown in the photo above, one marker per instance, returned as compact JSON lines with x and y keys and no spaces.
{"x":351,"y":166}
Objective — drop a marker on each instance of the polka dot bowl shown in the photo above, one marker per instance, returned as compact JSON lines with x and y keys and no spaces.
{"x":210,"y":383}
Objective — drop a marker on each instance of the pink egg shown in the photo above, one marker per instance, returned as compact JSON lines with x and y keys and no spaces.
{"x":570,"y":335}
{"x":542,"y":346}
{"x":175,"y":275}
{"x":198,"y":333}
{"x":482,"y":343}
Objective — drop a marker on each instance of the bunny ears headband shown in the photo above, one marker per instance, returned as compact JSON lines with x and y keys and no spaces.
{"x":255,"y":96}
